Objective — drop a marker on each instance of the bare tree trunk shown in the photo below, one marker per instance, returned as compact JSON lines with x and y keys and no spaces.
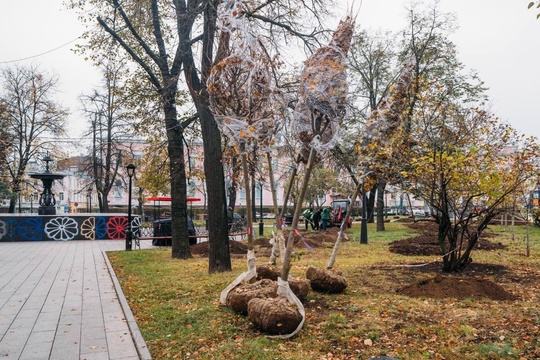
{"x":371,"y":203}
{"x":289,"y":189}
{"x":297,"y":210}
{"x":341,"y":233}
{"x":219,"y":259}
{"x":175,"y":147}
{"x":278,"y":240}
{"x":248,"y":202}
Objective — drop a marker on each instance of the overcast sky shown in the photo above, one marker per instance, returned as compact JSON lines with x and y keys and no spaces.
{"x":498,"y":38}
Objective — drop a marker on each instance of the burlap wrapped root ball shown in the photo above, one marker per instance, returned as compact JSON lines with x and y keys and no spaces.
{"x":275,"y":316}
{"x":327,"y":281}
{"x":300,"y":287}
{"x":268,"y":272}
{"x":239,"y":297}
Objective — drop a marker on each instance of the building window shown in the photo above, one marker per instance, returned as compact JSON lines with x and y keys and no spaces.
{"x":191,"y":189}
{"x":258,"y":187}
{"x":118,"y":189}
{"x":61,"y":196}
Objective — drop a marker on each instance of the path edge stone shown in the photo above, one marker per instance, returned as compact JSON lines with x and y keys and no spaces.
{"x":140,"y":344}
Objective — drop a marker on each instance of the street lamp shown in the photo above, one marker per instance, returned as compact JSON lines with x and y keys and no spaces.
{"x":129,"y":235}
{"x":89,"y":200}
{"x":261,"y":223}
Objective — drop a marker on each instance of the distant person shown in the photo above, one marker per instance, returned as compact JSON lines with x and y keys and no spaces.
{"x":316,"y":220}
{"x":325,"y":217}
{"x":308,"y":214}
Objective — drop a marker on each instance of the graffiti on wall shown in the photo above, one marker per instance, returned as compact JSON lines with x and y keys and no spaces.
{"x":65,"y":228}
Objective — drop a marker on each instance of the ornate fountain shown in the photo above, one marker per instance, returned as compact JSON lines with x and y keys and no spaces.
{"x":47,"y":201}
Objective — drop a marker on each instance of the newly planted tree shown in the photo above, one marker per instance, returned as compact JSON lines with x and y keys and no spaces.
{"x":318,"y":115}
{"x":246,"y":106}
{"x":465,"y":164}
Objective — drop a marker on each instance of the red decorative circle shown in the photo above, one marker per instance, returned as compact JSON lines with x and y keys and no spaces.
{"x":116,"y":227}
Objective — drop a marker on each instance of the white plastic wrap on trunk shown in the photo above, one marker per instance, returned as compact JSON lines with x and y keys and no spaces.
{"x":278,"y":245}
{"x":285,"y":291}
{"x":275,"y":249}
{"x":243,"y":277}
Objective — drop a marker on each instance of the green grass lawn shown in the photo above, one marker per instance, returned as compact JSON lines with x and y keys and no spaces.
{"x":176,"y":304}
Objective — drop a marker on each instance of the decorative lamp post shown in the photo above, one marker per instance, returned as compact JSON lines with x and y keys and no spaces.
{"x":261,"y":223}
{"x":89,"y":200}
{"x":129,"y":235}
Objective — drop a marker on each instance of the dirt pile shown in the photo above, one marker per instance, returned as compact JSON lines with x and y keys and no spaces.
{"x":459,"y":287}
{"x":427,"y":243}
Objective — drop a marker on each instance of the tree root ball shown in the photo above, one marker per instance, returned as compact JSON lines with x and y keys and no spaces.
{"x":300,"y":287}
{"x":267,"y":272}
{"x":327,"y":281}
{"x":276,"y":316}
{"x":239,"y":297}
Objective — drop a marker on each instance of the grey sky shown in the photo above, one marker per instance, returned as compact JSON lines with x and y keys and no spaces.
{"x":498,"y":38}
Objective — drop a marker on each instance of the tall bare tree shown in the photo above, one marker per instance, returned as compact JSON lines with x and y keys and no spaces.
{"x":31,"y":118}
{"x":108,"y":120}
{"x":372,"y":64}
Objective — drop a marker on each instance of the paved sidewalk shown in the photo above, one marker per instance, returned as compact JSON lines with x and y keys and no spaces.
{"x":58,"y":301}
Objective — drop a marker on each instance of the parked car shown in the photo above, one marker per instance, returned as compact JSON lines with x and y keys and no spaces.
{"x":163,"y":228}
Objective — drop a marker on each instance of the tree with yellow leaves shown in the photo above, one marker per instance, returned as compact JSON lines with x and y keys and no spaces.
{"x":465,"y":164}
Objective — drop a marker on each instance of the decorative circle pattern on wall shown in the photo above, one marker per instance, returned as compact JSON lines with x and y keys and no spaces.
{"x":31,"y":229}
{"x":94,"y":228}
{"x":61,"y":228}
{"x":3,"y":229}
{"x":22,"y":227}
{"x":116,"y":227}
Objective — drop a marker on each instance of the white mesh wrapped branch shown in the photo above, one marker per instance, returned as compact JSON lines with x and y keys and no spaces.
{"x":232,"y":21}
{"x":241,"y":99}
{"x":323,"y":90}
{"x":383,"y":135}
{"x":246,"y":105}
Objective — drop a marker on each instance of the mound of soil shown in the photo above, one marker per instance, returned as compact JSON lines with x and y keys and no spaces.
{"x":461,"y":287}
{"x":427,"y":244}
{"x":235,"y":247}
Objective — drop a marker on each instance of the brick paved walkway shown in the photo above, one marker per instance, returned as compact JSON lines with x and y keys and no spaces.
{"x":58,"y":301}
